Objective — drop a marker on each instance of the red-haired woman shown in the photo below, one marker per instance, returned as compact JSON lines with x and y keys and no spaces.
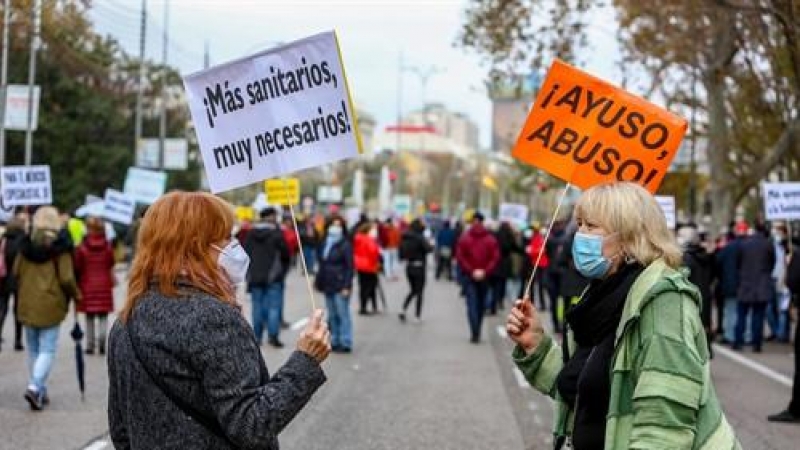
{"x":185,"y":370}
{"x":94,"y":267}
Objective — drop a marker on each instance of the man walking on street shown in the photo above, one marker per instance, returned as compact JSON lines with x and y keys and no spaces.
{"x":792,"y":413}
{"x":269,"y":263}
{"x":757,"y":259}
{"x":477,"y":254}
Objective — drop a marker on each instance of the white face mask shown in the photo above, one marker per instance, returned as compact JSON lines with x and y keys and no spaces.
{"x":234,"y":261}
{"x":373,"y":233}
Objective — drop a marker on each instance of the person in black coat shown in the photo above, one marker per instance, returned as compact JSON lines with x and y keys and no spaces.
{"x":414,"y":249}
{"x":335,"y":280}
{"x":756,"y":286}
{"x":11,"y":242}
{"x":269,"y":263}
{"x":701,"y":271}
{"x":792,"y":412}
{"x":508,"y":247}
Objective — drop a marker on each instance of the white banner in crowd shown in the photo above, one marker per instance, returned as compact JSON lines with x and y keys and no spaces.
{"x":329,"y":194}
{"x":513,"y":213}
{"x":667,"y":204}
{"x":145,"y":186}
{"x":781,"y":201}
{"x":272,"y":113}
{"x":119,"y":207}
{"x":401,"y":204}
{"x":25,"y":185}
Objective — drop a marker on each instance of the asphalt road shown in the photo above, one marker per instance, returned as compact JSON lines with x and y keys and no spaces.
{"x":406,"y":386}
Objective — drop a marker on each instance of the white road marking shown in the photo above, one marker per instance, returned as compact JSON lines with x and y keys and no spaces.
{"x":758,"y":367}
{"x":299,"y":324}
{"x":97,"y":445}
{"x":501,"y":330}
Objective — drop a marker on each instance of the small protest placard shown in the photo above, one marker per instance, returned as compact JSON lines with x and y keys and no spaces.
{"x":118,"y":207}
{"x":283,"y":191}
{"x":145,"y":186}
{"x":667,"y":204}
{"x":781,"y":201}
{"x":513,"y":213}
{"x":401,"y":204}
{"x":25,"y":185}
{"x":587,"y":131}
{"x":329,"y":194}
{"x":272,"y":113}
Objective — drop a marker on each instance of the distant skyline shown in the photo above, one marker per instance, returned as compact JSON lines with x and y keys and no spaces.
{"x":372,"y":35}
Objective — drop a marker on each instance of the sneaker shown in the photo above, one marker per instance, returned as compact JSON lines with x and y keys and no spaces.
{"x":18,"y":347}
{"x":785,"y":416}
{"x":35,"y":399}
{"x":275,"y":342}
{"x":417,"y":320}
{"x":402,"y":316}
{"x":90,"y":351}
{"x":475,"y":340}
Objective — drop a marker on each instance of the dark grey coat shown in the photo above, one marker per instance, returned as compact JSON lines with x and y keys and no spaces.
{"x":206,"y":354}
{"x":756,"y":261}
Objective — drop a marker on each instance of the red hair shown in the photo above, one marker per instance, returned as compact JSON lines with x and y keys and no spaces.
{"x":175,"y":242}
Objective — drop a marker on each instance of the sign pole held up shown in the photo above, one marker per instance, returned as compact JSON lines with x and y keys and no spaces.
{"x":529,"y":284}
{"x":300,"y":246}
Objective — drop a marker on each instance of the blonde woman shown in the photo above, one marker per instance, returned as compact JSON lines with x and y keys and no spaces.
{"x":635,"y":370}
{"x":45,"y":283}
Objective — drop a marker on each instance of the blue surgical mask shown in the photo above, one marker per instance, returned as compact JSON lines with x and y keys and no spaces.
{"x":587,"y":254}
{"x":335,"y":232}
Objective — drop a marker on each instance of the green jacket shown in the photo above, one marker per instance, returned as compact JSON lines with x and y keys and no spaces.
{"x":42,"y":291}
{"x":662,"y":396}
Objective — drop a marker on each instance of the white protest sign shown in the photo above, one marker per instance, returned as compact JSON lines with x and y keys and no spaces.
{"x":272,"y":113}
{"x":26,"y":185}
{"x":667,"y":204}
{"x":145,"y":186}
{"x":401,"y":204}
{"x":176,"y":154}
{"x":119,"y":207}
{"x":329,"y":194}
{"x":781,"y":201}
{"x":17,"y":102}
{"x":513,"y":213}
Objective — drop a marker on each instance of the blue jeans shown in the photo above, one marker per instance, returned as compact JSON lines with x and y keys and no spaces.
{"x":267,"y":308}
{"x":310,"y":255}
{"x":756,"y":323}
{"x":42,"y":344}
{"x":339,"y":320}
{"x":476,"y":293}
{"x":729,"y":319}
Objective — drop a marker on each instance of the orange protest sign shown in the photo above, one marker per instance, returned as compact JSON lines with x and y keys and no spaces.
{"x":587,"y":131}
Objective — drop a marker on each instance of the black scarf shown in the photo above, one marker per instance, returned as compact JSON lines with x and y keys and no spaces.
{"x":599,"y":312}
{"x":43,"y":253}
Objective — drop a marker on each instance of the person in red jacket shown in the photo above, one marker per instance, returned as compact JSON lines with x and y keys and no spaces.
{"x":94,"y":268}
{"x":366,"y":259}
{"x":536,"y":252}
{"x":290,"y":236}
{"x":478,"y":254}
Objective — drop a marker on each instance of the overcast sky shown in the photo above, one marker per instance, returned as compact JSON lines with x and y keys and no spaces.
{"x":372,"y":35}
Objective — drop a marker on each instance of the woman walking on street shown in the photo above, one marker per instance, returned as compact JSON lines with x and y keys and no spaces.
{"x":45,"y":283}
{"x":185,"y":370}
{"x":10,"y":244}
{"x":94,"y":267}
{"x":414,"y":249}
{"x":367,"y":255}
{"x":335,"y":280}
{"x":634,"y":369}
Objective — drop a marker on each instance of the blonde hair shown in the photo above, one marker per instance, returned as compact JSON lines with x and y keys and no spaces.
{"x":631,"y":211}
{"x":46,"y":225}
{"x":174,"y":243}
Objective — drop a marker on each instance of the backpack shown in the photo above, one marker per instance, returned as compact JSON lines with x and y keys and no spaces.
{"x":3,"y":266}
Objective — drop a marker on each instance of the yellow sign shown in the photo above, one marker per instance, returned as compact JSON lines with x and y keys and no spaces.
{"x":245,"y":213}
{"x":283,"y":191}
{"x":467,"y":215}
